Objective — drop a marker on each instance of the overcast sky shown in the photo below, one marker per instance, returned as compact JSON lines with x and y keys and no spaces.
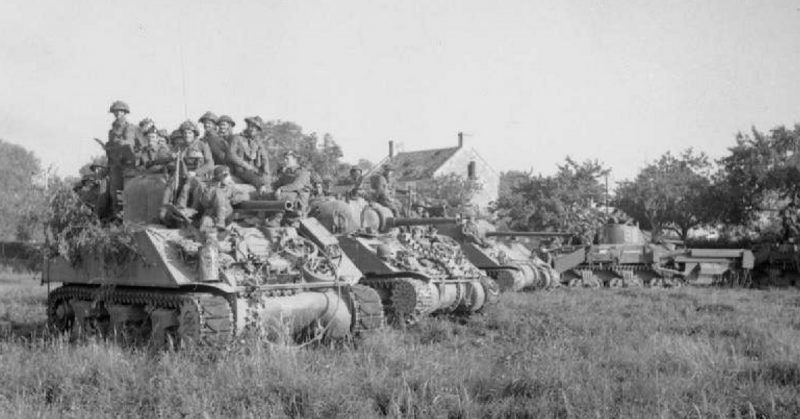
{"x":529,"y":81}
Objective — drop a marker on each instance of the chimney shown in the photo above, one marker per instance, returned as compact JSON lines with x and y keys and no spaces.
{"x":460,"y":139}
{"x":391,"y":149}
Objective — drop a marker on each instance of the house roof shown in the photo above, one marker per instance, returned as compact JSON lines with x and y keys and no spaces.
{"x":418,"y":165}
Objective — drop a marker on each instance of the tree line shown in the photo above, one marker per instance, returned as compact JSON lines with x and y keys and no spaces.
{"x":744,"y":193}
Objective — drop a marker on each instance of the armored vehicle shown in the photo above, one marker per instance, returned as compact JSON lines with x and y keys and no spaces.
{"x":622,"y":257}
{"x":415,"y":270}
{"x":512,"y":265}
{"x":186,"y":286}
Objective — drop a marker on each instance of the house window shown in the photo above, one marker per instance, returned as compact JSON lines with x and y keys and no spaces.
{"x":471,"y":172}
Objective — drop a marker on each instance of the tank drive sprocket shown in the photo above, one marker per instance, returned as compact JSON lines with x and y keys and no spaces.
{"x":367,"y":309}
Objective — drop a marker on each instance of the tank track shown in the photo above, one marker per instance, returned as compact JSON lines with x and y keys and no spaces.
{"x":367,"y":309}
{"x":213,"y":315}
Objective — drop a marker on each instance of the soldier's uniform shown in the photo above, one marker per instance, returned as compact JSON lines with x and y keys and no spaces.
{"x":218,"y":146}
{"x":120,"y":151}
{"x":384,"y":187}
{"x":356,"y":183}
{"x":248,"y":158}
{"x":197,"y":148}
{"x":294,"y":184}
{"x":214,"y":205}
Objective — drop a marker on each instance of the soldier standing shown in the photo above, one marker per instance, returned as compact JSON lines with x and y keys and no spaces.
{"x":120,"y":152}
{"x":248,"y":158}
{"x":294,"y":182}
{"x":218,"y":146}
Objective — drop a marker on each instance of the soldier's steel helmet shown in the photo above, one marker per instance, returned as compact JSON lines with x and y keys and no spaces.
{"x":226,"y":118}
{"x":119,"y":106}
{"x":187,"y":124}
{"x":255,"y":121}
{"x":388,"y":167}
{"x":209,"y":116}
{"x":147,"y":122}
{"x":220,"y":171}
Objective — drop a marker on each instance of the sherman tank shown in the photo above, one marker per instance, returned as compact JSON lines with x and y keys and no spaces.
{"x":187,"y":286}
{"x":512,"y":265}
{"x":415,"y":270}
{"x":622,"y":256}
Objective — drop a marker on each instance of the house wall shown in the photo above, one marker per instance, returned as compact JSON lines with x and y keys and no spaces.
{"x":485,"y":174}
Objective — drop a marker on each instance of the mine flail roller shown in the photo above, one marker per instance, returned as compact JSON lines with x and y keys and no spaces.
{"x":184,"y":286}
{"x":415,"y":270}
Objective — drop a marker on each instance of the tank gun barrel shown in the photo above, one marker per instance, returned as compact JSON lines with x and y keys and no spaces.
{"x":400,"y":222}
{"x":264,"y":205}
{"x":528,"y":234}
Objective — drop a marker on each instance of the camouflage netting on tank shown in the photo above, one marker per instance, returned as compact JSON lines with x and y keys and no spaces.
{"x":74,"y":231}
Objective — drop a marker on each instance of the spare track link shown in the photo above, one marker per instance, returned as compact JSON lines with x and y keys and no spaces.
{"x":367,"y":309}
{"x":216,"y":323}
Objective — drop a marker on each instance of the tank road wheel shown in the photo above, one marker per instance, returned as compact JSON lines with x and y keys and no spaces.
{"x":590,"y":280}
{"x":60,"y":315}
{"x":411,"y":299}
{"x":367,"y":309}
{"x":206,"y":320}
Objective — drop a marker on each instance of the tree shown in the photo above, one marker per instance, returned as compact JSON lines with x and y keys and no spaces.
{"x":19,"y":169}
{"x":566,"y":201}
{"x":761,"y":173}
{"x":323,"y":157}
{"x":451,"y":189}
{"x":673,"y":192}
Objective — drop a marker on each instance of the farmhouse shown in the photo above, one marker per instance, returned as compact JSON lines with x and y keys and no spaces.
{"x":415,"y":167}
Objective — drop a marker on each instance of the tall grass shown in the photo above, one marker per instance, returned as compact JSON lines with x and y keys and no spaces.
{"x":569,"y":353}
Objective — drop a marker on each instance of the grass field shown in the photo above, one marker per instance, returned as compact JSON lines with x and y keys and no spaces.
{"x":689,"y":352}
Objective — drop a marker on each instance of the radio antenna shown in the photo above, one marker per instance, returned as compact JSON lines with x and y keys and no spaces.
{"x":183,"y":81}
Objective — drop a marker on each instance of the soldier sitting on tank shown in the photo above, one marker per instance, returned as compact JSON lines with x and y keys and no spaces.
{"x":218,"y":146}
{"x":155,"y":154}
{"x":92,"y":190}
{"x":471,"y":230}
{"x":293,"y":183}
{"x":247,"y":158}
{"x":384,"y":188}
{"x":187,"y":181}
{"x":186,"y":143}
{"x":214,"y":203}
{"x":355,"y":181}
